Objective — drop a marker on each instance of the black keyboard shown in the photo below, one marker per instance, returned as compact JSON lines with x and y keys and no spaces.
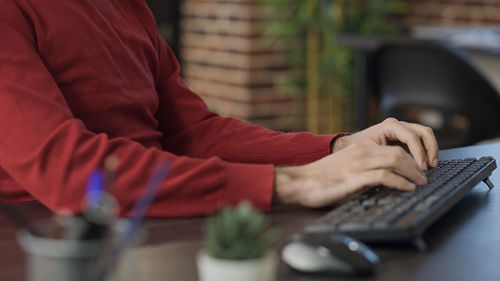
{"x":386,"y":215}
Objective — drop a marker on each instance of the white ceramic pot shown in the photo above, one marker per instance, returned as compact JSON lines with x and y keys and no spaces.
{"x":214,"y":269}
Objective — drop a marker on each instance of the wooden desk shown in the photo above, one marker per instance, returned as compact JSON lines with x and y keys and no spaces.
{"x":463,"y":245}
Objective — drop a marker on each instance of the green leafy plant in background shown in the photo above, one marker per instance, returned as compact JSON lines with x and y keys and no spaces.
{"x":320,"y":66}
{"x":238,"y":233}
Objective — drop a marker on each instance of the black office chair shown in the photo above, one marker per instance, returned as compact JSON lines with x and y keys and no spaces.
{"x":437,"y":85}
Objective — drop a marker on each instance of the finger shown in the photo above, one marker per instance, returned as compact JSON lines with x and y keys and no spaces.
{"x":396,"y":131}
{"x":429,"y":140}
{"x":326,"y":196}
{"x":395,"y":159}
{"x":386,"y":178}
{"x":389,"y":154}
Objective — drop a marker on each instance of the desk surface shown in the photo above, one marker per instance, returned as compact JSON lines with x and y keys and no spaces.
{"x":463,"y":245}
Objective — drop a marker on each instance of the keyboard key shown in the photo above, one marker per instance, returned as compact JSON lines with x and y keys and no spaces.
{"x":357,"y":209}
{"x":346,"y":227}
{"x":368,"y":202}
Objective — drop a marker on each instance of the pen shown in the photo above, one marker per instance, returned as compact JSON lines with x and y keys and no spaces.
{"x":94,"y":188}
{"x":140,"y":208}
{"x":126,"y":235}
{"x":100,"y":210}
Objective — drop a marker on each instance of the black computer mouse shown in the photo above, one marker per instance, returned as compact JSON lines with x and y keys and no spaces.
{"x":329,"y":253}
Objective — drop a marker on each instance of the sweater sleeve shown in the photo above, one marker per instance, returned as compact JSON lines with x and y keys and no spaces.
{"x":191,"y":129}
{"x":50,"y":153}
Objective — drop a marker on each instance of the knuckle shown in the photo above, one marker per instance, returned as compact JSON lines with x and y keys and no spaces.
{"x":381,"y":174}
{"x":429,"y":130}
{"x":358,"y":150}
{"x":393,"y":160}
{"x":391,"y":120}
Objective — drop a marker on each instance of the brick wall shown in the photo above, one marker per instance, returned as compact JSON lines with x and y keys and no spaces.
{"x":229,"y":60}
{"x":237,"y":67}
{"x":453,"y":12}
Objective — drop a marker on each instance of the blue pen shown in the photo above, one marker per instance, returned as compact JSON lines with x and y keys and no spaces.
{"x":95,"y":188}
{"x":99,"y":212}
{"x":141,"y":206}
{"x":126,"y":235}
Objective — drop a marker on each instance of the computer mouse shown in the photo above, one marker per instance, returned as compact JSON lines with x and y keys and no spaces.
{"x":329,"y":253}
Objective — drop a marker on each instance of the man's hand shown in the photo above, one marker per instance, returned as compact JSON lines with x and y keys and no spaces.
{"x":346,"y":173}
{"x":360,"y":161}
{"x":418,"y":139}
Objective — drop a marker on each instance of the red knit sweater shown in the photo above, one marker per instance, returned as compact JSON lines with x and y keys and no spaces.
{"x":80,"y":80}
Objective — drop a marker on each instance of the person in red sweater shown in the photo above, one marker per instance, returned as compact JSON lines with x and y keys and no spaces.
{"x":81,"y":80}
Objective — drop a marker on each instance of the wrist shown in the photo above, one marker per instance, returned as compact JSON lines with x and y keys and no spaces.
{"x":284,"y":184}
{"x":340,"y":142}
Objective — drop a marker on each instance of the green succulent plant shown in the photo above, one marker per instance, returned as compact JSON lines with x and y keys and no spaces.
{"x":238,"y":233}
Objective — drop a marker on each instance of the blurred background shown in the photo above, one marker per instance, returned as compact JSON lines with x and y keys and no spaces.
{"x":305,"y":64}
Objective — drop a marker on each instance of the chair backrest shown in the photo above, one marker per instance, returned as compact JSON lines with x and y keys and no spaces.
{"x":435,"y":83}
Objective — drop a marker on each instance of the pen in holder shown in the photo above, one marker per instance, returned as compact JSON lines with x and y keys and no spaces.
{"x":56,"y":259}
{"x":88,"y":247}
{"x":130,"y":232}
{"x":67,"y":247}
{"x":101,"y":207}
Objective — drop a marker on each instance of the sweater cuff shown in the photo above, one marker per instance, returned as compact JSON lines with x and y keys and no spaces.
{"x":251,"y":182}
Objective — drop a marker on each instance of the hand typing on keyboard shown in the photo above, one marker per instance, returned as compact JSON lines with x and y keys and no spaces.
{"x":360,"y":161}
{"x":381,"y":214}
{"x":391,"y":130}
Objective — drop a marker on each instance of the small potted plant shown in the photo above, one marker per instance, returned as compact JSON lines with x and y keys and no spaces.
{"x":237,"y":246}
